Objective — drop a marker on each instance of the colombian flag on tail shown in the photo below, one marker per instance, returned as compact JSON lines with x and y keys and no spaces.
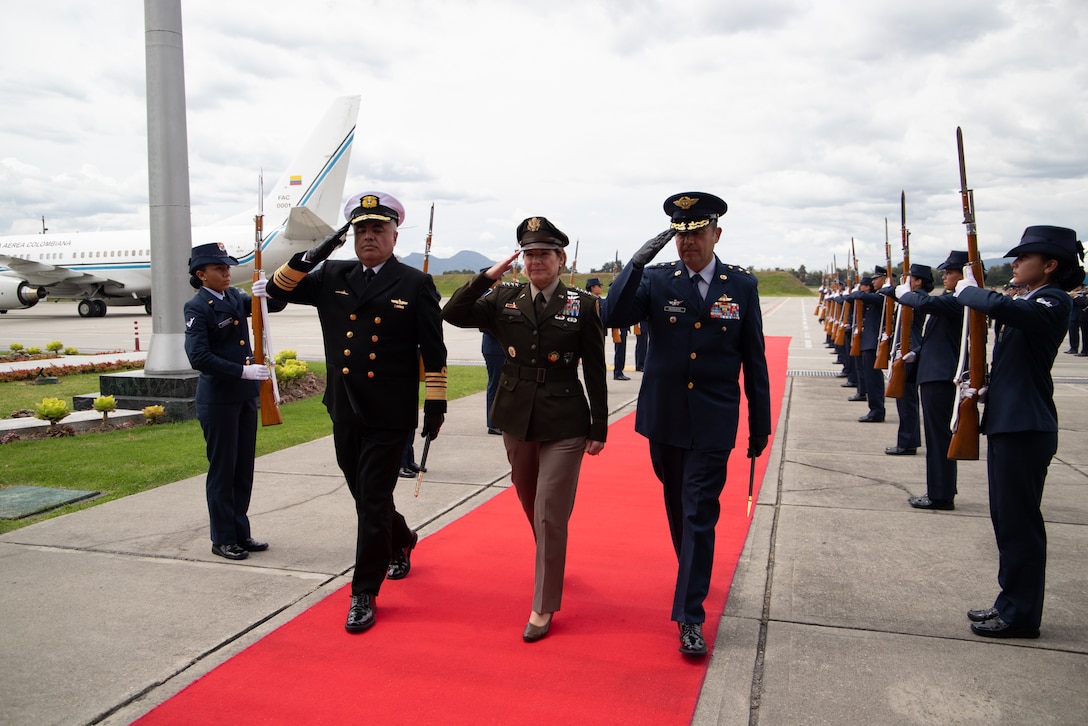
{"x":296,"y":180}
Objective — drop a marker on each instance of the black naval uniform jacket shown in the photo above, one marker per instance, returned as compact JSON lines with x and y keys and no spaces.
{"x":539,"y":396}
{"x":690,"y":394}
{"x":374,"y":336}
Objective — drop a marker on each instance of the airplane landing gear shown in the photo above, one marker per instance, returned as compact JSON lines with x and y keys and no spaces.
{"x":88,"y":308}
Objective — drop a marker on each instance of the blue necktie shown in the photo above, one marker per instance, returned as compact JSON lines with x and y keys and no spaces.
{"x":695,"y":286}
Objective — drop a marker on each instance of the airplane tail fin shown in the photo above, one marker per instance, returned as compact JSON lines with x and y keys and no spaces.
{"x":315,"y":177}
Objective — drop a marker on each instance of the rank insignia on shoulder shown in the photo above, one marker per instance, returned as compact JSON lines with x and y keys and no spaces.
{"x":661,"y":265}
{"x":512,"y":284}
{"x":190,"y":321}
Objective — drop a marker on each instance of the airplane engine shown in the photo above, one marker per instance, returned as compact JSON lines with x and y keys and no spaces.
{"x":18,"y":294}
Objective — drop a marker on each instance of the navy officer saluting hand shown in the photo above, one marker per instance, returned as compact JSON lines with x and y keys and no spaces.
{"x":706,"y":325}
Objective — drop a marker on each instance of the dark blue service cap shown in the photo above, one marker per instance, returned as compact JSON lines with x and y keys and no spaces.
{"x":593,"y":281}
{"x":879,"y":271}
{"x":957,"y":259}
{"x":1058,"y":243}
{"x":693,"y":210}
{"x":922,"y":272}
{"x":213,"y":253}
{"x":866,"y":281}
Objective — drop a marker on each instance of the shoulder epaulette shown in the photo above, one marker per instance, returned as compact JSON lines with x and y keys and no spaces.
{"x":738,"y":268}
{"x":660,"y":265}
{"x":518,"y":285}
{"x":578,"y":290}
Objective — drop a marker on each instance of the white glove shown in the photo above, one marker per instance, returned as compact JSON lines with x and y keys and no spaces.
{"x":909,"y":357}
{"x":901,"y":290}
{"x":964,"y":284}
{"x":255,"y":373}
{"x":887,"y":282}
{"x":857,"y":288}
{"x":258,"y":288}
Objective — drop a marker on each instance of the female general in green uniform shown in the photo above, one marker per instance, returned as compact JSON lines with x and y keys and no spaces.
{"x":546,"y":329}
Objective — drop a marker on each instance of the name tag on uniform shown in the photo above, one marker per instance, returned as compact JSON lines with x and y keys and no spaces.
{"x":225,"y":323}
{"x":510,"y":309}
{"x":675,"y":306}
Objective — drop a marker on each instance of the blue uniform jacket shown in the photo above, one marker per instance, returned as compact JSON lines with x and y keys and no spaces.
{"x":939,"y":351}
{"x":690,"y":394}
{"x":217,"y":343}
{"x":1021,"y":393}
{"x":872,"y":320}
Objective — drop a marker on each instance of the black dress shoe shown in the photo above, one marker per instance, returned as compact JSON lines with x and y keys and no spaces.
{"x":251,"y":545}
{"x":407,"y":472}
{"x":534,"y":633}
{"x":840,"y":374}
{"x":1071,"y":350}
{"x":900,"y":451}
{"x":402,"y":561}
{"x":997,"y":628}
{"x":360,"y":614}
{"x":230,"y":551}
{"x":858,"y":397}
{"x":621,"y":377}
{"x":870,"y":418}
{"x":848,"y":384}
{"x":691,"y":639}
{"x":494,"y":431}
{"x":924,"y":502}
{"x":981,"y":616}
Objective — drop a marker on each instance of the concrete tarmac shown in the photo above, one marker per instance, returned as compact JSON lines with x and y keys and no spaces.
{"x":848,"y":607}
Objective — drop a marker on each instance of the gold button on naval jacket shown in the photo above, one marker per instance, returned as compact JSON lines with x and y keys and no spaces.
{"x":241,"y":342}
{"x":352,"y":317}
{"x":370,"y":374}
{"x":377,"y":321}
{"x":672,"y":318}
{"x":235,"y":322}
{"x":373,"y":356}
{"x":347,"y":352}
{"x":350,"y":334}
{"x":698,"y":325}
{"x":373,"y":339}
{"x":690,"y":385}
{"x":345,"y":370}
{"x":693,"y":356}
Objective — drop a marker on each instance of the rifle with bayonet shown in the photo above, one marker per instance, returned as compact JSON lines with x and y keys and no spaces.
{"x":269,"y":389}
{"x":965,"y":417}
{"x":897,"y":377}
{"x":884,"y":347}
{"x":574,"y":264}
{"x":859,"y":308}
{"x":427,"y":244}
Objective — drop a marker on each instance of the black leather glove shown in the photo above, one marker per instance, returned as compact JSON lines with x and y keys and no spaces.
{"x":756,"y":445}
{"x":649,"y":250}
{"x":434,"y":415}
{"x":321,"y":251}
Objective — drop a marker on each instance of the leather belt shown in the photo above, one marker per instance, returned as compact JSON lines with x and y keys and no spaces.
{"x":540,"y":375}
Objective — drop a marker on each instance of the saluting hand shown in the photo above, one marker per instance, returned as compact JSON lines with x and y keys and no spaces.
{"x":650,"y":249}
{"x":496,"y":271}
{"x":321,"y":251}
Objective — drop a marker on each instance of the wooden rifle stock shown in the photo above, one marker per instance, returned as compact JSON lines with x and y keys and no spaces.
{"x":883,"y":349}
{"x":897,"y":378}
{"x":270,"y":407}
{"x":855,"y":338}
{"x":964,"y":444}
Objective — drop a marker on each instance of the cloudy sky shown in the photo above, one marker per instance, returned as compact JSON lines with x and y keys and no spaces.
{"x":809,"y":118}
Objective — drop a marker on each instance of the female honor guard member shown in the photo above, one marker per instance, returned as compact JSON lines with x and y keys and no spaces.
{"x":547,"y":424}
{"x":706,"y":325}
{"x":1020,"y":420}
{"x":217,"y":343}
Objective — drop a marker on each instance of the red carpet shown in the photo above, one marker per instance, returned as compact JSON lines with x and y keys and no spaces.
{"x":447,"y":647}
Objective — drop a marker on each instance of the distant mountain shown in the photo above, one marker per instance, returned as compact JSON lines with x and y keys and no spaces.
{"x":463,"y":260}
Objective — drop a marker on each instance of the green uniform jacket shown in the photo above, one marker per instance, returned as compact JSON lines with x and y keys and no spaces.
{"x":540,"y":397}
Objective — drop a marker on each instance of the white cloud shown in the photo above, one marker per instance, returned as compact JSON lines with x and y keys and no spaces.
{"x":808,"y":118}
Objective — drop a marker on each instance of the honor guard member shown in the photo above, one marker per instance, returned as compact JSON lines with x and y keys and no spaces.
{"x":872,"y":324}
{"x":227,"y":392}
{"x":909,"y":433}
{"x":1020,"y":420}
{"x":938,"y":356}
{"x":378,"y":318}
{"x":547,"y":423}
{"x":705,"y":322}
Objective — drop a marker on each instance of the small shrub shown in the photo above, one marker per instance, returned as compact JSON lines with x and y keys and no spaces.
{"x":285,"y":355}
{"x":51,"y":410}
{"x":16,"y":347}
{"x":71,"y":351}
{"x":104,"y":405}
{"x":154,"y":414}
{"x":54,"y":346}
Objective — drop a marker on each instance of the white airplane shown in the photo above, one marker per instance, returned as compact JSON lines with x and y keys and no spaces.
{"x":97,"y":268}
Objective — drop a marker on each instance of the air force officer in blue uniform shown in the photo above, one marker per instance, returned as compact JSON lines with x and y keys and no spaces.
{"x":705,"y":322}
{"x":217,"y":343}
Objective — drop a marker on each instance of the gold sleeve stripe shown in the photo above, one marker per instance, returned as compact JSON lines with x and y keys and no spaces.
{"x":287,"y":278}
{"x":435,"y":385}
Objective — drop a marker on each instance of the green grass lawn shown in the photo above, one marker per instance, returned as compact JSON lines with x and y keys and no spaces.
{"x":127,"y":461}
